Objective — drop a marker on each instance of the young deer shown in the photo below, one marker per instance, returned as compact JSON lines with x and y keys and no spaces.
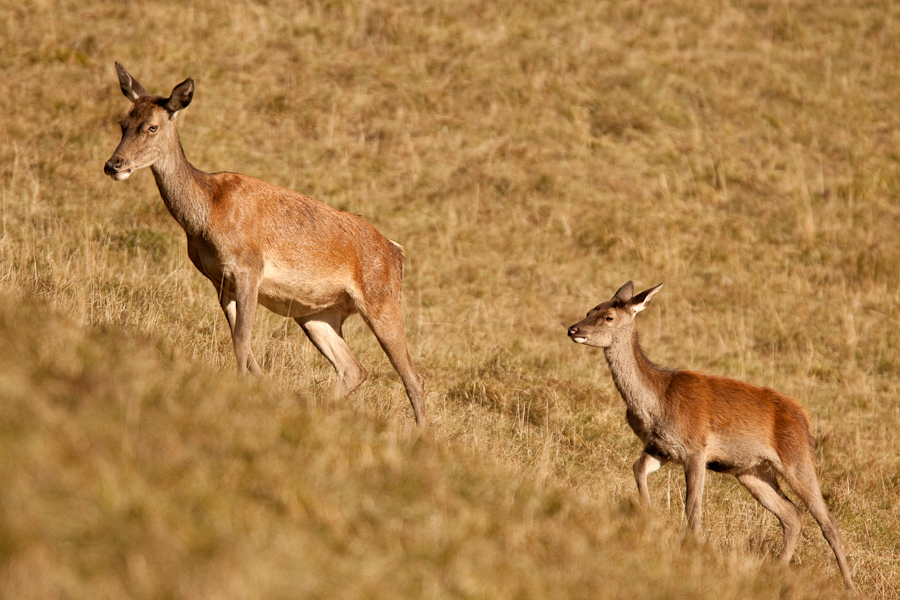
{"x":259,"y":243}
{"x":705,"y":422}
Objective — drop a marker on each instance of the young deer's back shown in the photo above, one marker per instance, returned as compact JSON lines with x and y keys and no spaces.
{"x":740,"y":425}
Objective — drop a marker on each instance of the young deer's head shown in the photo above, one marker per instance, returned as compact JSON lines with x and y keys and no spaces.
{"x":148,"y":129}
{"x":605,"y":321}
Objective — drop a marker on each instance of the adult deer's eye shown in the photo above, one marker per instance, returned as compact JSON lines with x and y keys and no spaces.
{"x":607,"y":318}
{"x":152,"y":128}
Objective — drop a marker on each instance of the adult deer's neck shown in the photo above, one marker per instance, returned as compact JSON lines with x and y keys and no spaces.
{"x":641,"y":384}
{"x":181,"y":187}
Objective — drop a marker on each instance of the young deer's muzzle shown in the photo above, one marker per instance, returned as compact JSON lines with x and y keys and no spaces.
{"x":576,"y":334}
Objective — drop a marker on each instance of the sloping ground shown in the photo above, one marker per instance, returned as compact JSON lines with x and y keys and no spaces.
{"x":531,"y":157}
{"x":131,"y":472}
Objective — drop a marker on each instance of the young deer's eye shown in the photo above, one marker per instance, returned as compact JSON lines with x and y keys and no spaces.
{"x":152,"y":128}
{"x":607,"y":318}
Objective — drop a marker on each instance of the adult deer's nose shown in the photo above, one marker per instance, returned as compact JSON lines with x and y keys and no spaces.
{"x":112,"y":166}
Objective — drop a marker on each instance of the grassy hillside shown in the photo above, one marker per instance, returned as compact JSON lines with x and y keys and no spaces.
{"x":530,"y":157}
{"x":130,"y":472}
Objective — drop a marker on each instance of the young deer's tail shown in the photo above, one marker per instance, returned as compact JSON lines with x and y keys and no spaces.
{"x":401,"y":256}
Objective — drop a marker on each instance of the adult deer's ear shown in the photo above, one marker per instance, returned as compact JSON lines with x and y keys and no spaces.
{"x":181,"y":96}
{"x":130,"y":86}
{"x":640,"y":302}
{"x":625,"y":292}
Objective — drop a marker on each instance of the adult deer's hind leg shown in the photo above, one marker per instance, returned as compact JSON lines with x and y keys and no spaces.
{"x":324,"y":330}
{"x":387,"y":325}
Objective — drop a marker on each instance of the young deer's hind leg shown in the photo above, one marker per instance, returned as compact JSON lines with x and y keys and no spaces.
{"x":802,"y":479}
{"x":763,"y":485}
{"x":324,"y":331}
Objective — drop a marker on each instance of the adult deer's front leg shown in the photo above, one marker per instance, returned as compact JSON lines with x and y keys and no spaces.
{"x":239,"y":306}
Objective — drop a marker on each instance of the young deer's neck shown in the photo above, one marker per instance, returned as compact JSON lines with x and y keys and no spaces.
{"x":640,"y":383}
{"x":180,"y":186}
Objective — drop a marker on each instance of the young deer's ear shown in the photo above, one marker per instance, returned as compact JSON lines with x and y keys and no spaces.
{"x":130,"y":86}
{"x":640,"y":302}
{"x":181,"y":96}
{"x":625,"y":292}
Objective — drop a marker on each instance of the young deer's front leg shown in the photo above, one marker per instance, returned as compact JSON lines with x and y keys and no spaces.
{"x":695,"y":478}
{"x":643,"y":466}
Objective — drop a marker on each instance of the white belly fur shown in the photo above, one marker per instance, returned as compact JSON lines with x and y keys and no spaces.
{"x":296,"y":294}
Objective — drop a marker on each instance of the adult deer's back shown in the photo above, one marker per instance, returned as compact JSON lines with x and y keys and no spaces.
{"x":259,"y":243}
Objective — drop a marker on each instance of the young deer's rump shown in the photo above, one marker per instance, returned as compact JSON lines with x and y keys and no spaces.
{"x":704,"y":422}
{"x":261,"y":244}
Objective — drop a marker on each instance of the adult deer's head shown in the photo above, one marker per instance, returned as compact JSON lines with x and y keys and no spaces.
{"x":148,"y":130}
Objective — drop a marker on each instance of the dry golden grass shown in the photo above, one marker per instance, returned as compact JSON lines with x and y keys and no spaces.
{"x":530,"y":157}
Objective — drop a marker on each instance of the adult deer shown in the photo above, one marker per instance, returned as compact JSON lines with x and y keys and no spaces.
{"x":259,"y":243}
{"x":704,"y":422}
